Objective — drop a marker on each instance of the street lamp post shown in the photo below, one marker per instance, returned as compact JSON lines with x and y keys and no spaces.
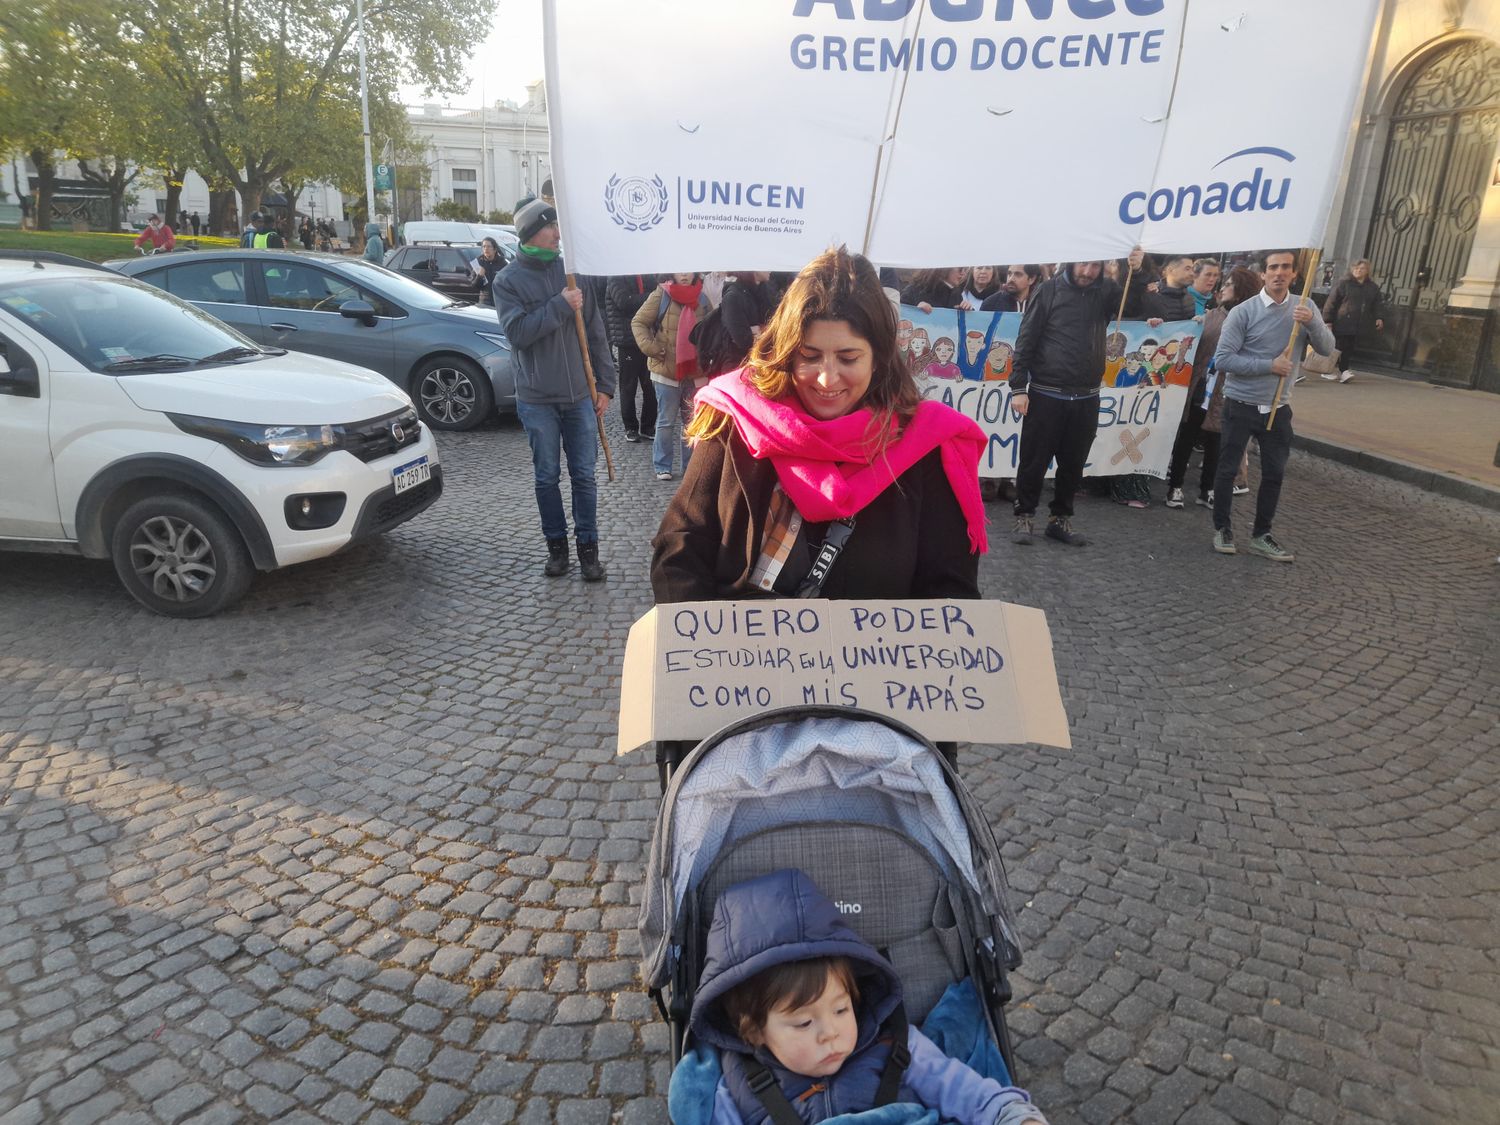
{"x":364,"y":111}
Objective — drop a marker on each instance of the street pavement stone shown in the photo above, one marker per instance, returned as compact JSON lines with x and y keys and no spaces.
{"x":361,"y":849}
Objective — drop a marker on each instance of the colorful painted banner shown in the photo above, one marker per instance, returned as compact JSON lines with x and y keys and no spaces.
{"x":963,"y":359}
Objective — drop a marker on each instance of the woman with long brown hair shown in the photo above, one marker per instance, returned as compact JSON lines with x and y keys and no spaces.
{"x":819,"y":447}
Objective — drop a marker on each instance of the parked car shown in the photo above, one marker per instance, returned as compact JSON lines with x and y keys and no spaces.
{"x":138,"y":428}
{"x":448,"y":269}
{"x":452,"y":359}
{"x":457,"y":233}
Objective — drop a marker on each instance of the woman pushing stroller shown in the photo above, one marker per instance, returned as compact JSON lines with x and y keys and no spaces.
{"x":818,"y":470}
{"x":806,"y":1018}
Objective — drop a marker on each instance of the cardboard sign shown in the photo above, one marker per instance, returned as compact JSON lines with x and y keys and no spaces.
{"x":970,"y":671}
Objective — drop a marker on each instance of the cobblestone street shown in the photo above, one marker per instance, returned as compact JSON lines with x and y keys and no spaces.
{"x":361,"y":849}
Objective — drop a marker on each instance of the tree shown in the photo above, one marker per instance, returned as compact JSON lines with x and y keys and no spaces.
{"x":449,"y":209}
{"x":268,"y":85}
{"x":42,"y":61}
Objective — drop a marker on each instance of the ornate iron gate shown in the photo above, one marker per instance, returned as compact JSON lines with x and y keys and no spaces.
{"x":1432,"y":182}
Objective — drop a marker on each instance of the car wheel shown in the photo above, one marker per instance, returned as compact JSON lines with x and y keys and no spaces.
{"x":452,"y":393}
{"x":180,"y":556}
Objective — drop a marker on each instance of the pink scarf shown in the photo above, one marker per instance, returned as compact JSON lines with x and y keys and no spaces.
{"x":832,"y":469}
{"x":687,"y":355}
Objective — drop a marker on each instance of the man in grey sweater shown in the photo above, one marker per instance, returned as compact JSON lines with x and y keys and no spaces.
{"x":538,"y":311}
{"x":1252,"y":358}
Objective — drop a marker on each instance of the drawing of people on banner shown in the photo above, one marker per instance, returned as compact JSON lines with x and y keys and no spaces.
{"x":942,"y":365}
{"x":918,"y":356}
{"x":997,"y":365}
{"x":1146,"y":372}
{"x":1178,"y":370}
{"x":1114,"y":357}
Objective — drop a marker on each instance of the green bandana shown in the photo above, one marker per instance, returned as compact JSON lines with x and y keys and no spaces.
{"x":539,"y":253}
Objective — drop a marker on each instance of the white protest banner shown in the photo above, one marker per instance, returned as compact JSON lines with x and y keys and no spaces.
{"x":963,"y":359}
{"x":926,"y":132}
{"x":973,"y":671}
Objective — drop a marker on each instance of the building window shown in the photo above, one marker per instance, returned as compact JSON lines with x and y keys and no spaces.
{"x":465,"y":176}
{"x":469,"y":199}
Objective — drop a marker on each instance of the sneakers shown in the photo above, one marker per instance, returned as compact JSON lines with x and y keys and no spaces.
{"x":1206,"y":500}
{"x":1022,"y":533}
{"x":1299,"y":379}
{"x":1059,"y":528}
{"x":1174,"y":498}
{"x":663,"y":476}
{"x":1267,"y":548}
{"x":588,"y":562}
{"x":1240,"y":490}
{"x":1331,"y":376}
{"x":1345,"y":376}
{"x":632,"y":435}
{"x":1136,"y":504}
{"x":557,"y":558}
{"x":1224,"y":542}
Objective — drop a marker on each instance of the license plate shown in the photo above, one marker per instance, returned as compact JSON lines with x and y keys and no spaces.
{"x":411,"y":474}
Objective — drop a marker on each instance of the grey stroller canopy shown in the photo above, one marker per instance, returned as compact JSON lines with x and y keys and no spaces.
{"x":863,"y":804}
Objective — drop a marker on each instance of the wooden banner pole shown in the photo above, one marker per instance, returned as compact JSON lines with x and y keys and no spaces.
{"x":588,"y":370}
{"x":1307,"y":281}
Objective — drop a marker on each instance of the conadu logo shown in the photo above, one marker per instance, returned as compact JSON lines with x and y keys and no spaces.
{"x":1261,"y":190}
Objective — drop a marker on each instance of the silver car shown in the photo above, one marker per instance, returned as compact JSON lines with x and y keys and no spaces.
{"x":452,"y":359}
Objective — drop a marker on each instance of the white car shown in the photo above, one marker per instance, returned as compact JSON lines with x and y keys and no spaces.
{"x":136,"y":427}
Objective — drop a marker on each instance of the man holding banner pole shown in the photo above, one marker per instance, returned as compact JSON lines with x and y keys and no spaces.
{"x":538,"y":309}
{"x":1055,"y":378}
{"x":1254,"y":359}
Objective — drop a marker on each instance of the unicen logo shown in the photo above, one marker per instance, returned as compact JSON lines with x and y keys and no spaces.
{"x":1260,"y":192}
{"x":635,"y":202}
{"x":848,"y":907}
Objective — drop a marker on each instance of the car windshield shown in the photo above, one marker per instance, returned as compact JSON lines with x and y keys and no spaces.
{"x":394,"y":286}
{"x":120,"y":326}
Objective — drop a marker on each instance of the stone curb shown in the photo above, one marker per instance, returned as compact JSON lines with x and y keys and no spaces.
{"x":1430,"y":480}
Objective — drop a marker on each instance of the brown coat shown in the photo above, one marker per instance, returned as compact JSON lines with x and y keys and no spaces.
{"x":657,"y":338}
{"x":911,"y":541}
{"x":1208,"y":343}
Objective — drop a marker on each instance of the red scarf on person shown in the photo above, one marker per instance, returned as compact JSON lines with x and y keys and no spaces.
{"x":687,"y":356}
{"x":832,"y":469}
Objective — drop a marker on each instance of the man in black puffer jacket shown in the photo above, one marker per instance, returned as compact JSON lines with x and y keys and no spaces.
{"x":1055,"y":377}
{"x":623,"y":299}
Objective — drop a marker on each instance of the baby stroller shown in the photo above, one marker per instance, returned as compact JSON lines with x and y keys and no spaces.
{"x":879,"y":820}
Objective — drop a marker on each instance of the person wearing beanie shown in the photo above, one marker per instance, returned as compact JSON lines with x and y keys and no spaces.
{"x":538,"y":311}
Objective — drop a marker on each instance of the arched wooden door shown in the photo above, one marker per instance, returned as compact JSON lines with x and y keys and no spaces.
{"x":1435,"y":171}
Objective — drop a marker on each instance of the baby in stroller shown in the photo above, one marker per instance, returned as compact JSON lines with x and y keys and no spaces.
{"x":808,"y":1022}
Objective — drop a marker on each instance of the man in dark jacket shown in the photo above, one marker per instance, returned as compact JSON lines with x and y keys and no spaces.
{"x":623,"y":299}
{"x":1054,"y":381}
{"x":1170,"y":300}
{"x":538,"y":312}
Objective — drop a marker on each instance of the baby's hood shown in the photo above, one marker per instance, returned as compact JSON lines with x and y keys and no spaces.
{"x":772,"y":920}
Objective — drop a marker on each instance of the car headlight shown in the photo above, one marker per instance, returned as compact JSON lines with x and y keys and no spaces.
{"x":265,"y":445}
{"x":494,"y":338}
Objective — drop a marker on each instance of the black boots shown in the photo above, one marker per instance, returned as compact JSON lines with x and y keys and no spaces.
{"x":557,"y":558}
{"x":588,"y":562}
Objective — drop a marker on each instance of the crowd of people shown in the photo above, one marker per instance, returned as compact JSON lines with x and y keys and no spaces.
{"x":787,"y":406}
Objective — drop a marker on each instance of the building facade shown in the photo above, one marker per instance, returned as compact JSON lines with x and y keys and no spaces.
{"x":1422,"y":196}
{"x":485,"y":159}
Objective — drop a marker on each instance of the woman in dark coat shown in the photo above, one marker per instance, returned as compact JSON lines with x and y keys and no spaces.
{"x":485,"y":267}
{"x":1355,"y":310}
{"x":824,"y":426}
{"x":934,"y":289}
